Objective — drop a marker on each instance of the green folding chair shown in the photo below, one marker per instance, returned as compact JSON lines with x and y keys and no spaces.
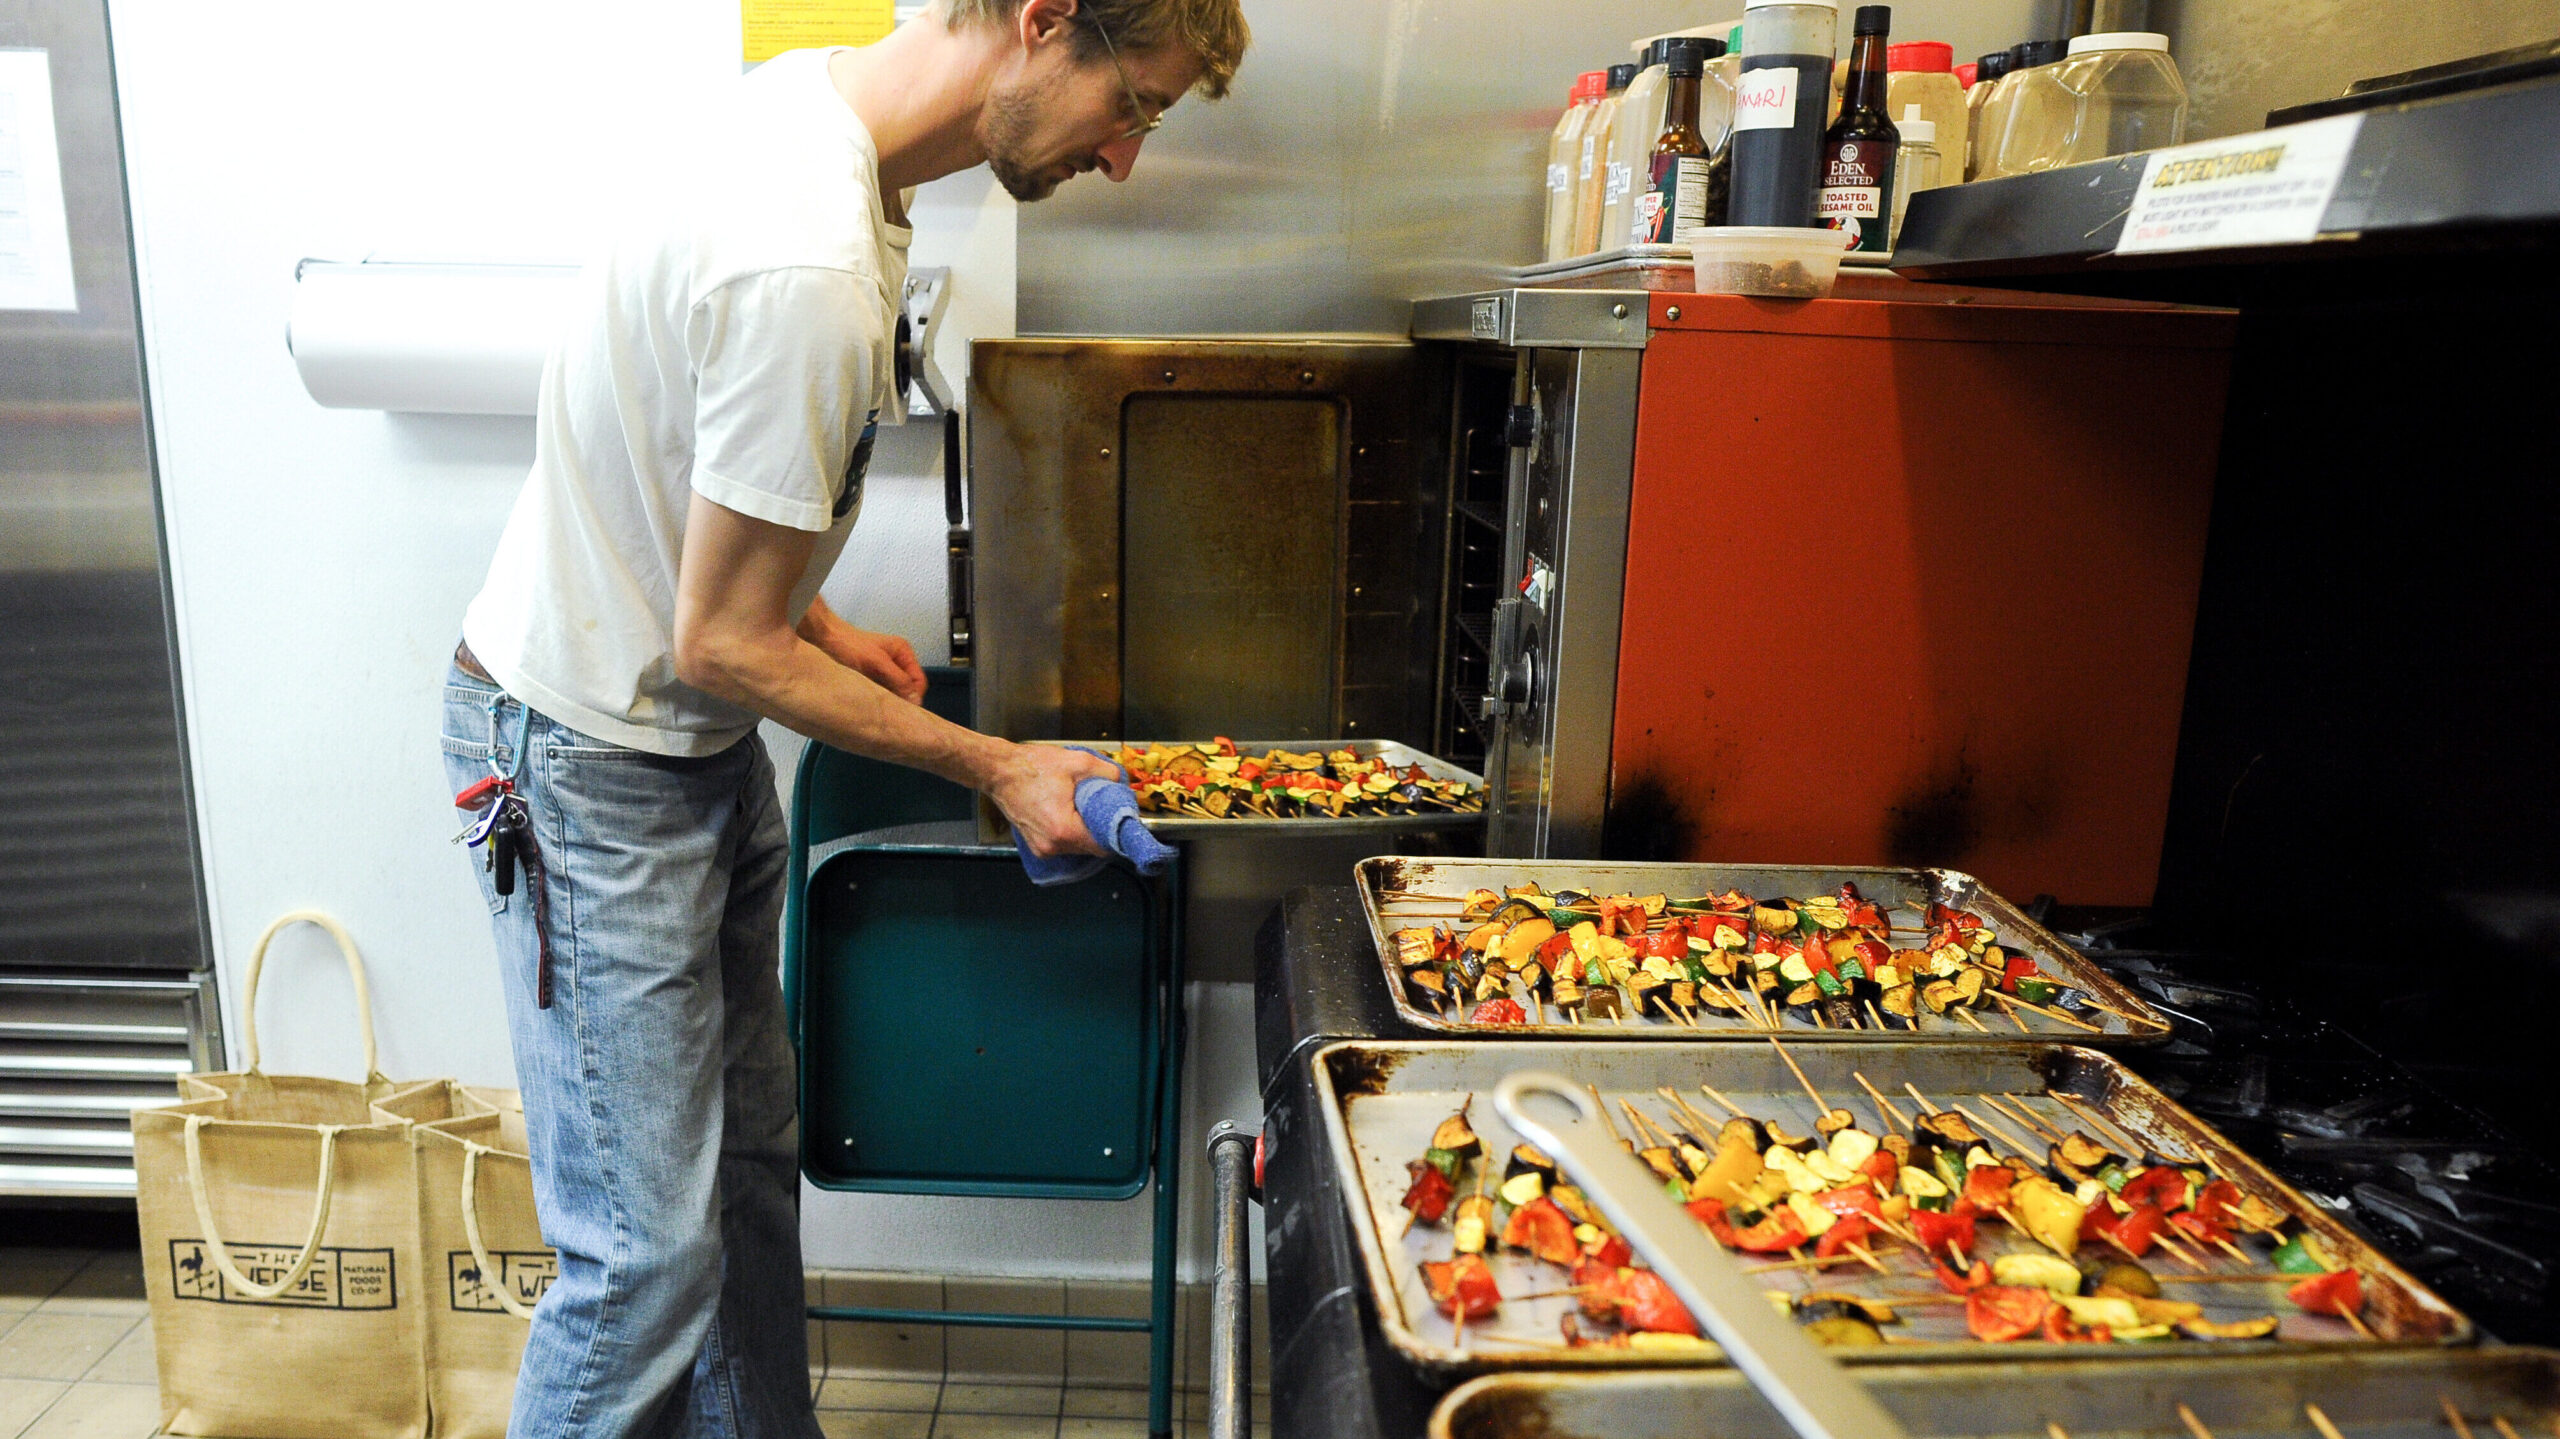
{"x":963,"y":1031}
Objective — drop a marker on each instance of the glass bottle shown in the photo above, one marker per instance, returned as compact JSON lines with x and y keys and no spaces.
{"x":1858,"y":149}
{"x":1674,"y":203}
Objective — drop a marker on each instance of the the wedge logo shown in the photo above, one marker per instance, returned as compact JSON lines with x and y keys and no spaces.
{"x":522,"y":1273}
{"x":337,"y":1278}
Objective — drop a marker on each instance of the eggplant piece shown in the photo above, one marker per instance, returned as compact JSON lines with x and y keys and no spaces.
{"x":1781,"y":1139}
{"x":1895,"y":1145}
{"x":1773,"y":917}
{"x":1516,"y":909}
{"x":1833,"y":1121}
{"x":1416,"y":947}
{"x":1841,"y":1011}
{"x":1949,"y":1129}
{"x":1526,"y":1158}
{"x":1662,"y":1162}
{"x":1901,"y":1002}
{"x":2258,"y":1328}
{"x":1831,"y":1304}
{"x":2122,"y":1275}
{"x":1803,"y":995}
{"x":1575,"y":1207}
{"x":1746,"y":1131}
{"x":1571,"y":898}
{"x":1454,"y":1135}
{"x":1431,"y":980}
{"x":1568,"y":995}
{"x":1684,"y":994}
{"x":2078,"y":1157}
{"x":1602,"y":1003}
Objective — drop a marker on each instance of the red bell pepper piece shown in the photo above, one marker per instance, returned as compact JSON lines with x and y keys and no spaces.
{"x":1998,"y":1313}
{"x":1429,"y":1195}
{"x":1776,"y":1233}
{"x":2136,"y":1231}
{"x":1962,"y":1283}
{"x":2060,"y":1328}
{"x":1845,"y":1231}
{"x":1598,"y":1283}
{"x":2340,"y":1294}
{"x":1986,"y":1186}
{"x":1502,"y":1010}
{"x":1936,"y":1231}
{"x":1710,"y":1212}
{"x":1463,"y":1287}
{"x":1672,"y":943}
{"x":2160,"y":1184}
{"x":1544,"y":1230}
{"x":2018,"y":967}
{"x":1556,"y":948}
{"x":1851,"y":1199}
{"x":1612,"y":1251}
{"x":2217,"y":1202}
{"x":1645,"y":1302}
{"x":1881,"y":1168}
{"x":2188,"y":1221}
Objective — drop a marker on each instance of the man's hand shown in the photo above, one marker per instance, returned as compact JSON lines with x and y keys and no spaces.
{"x":885,"y":660}
{"x":1036,"y":789}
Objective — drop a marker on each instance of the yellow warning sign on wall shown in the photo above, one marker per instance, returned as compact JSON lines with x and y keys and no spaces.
{"x":773,"y":26}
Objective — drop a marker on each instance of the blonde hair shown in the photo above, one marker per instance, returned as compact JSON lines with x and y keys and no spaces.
{"x":1211,"y":31}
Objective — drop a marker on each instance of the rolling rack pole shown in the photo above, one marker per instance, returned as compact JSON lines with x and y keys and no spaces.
{"x":1230,"y":1284}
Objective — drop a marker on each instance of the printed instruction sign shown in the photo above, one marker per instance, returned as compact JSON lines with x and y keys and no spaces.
{"x":35,"y":232}
{"x":773,"y":26}
{"x":2267,"y":188}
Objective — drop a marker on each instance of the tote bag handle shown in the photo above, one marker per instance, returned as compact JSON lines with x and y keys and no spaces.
{"x":326,"y":1191}
{"x":355,"y":970}
{"x":471,"y":1230}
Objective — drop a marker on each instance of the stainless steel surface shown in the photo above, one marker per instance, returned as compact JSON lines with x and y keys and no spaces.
{"x":1230,"y":1284}
{"x":1238,"y":578}
{"x":2369,"y":1396}
{"x":2136,"y":1022}
{"x":97,"y":860}
{"x":1379,"y":1100}
{"x":80,"y":1053}
{"x":1371,"y":153}
{"x":1066,"y":437}
{"x":1798,"y":1380}
{"x":1522,"y":318}
{"x":1548,"y":767}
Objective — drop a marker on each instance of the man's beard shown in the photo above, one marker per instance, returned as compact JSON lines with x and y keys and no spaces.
{"x":1007,"y":126}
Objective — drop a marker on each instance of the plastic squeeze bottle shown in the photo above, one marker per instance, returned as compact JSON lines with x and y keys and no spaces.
{"x":1564,"y":155}
{"x":1591,"y":182}
{"x":1916,"y":167}
{"x":1639,"y":119}
{"x":1923,"y":74}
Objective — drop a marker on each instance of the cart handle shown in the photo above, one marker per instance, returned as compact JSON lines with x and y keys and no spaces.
{"x":1230,"y":1284}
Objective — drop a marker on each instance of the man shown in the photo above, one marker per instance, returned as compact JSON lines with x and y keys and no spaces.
{"x":699,"y":459}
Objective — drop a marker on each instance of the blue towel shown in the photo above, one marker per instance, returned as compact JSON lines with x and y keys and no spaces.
{"x":1110,"y":810}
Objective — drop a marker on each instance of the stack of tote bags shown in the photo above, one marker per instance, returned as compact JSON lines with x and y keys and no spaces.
{"x":336,"y":1260}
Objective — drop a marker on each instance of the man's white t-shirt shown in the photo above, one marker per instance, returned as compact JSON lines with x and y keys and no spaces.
{"x":737,"y":344}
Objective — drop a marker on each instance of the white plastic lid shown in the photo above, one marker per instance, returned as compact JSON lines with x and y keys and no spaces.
{"x":2121,"y":40}
{"x":1915,"y":128}
{"x":1711,"y":32}
{"x":1750,"y":5}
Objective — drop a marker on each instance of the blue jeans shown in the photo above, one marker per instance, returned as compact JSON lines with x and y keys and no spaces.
{"x":659,"y":1087}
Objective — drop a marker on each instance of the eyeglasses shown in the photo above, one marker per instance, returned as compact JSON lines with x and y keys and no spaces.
{"x":1147,"y":124}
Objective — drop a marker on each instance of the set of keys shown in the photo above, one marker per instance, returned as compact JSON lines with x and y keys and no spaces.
{"x":503,"y":830}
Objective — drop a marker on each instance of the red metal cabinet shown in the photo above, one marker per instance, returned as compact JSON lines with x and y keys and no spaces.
{"x":1913,"y":581}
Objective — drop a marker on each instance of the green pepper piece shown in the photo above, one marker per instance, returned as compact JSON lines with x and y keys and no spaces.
{"x":2114,"y":1177}
{"x":1564,"y":919}
{"x":1829,"y":983}
{"x":2039,"y":991}
{"x":1948,"y":1164}
{"x":1678,"y":1191}
{"x":1444,"y":1160}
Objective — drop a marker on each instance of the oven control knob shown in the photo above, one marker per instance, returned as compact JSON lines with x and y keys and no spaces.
{"x":1519,"y":682}
{"x":1520,"y":427}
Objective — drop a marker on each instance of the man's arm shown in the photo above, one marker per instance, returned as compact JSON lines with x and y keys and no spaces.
{"x":885,"y":660}
{"x":735,"y":639}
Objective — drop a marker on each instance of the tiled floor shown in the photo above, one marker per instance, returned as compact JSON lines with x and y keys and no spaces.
{"x":76,"y":1363}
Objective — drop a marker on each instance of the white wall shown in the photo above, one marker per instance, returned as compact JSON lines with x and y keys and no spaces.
{"x":321,"y":559}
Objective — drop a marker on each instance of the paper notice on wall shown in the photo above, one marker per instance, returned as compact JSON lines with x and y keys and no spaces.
{"x":773,"y":26}
{"x":35,"y":234}
{"x":2266,"y":188}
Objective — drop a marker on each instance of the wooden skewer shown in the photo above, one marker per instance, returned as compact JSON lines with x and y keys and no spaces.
{"x":1818,"y":1021}
{"x":2503,"y":1427}
{"x":2453,"y":1416}
{"x":1820,"y":1105}
{"x":1867,"y":1259}
{"x":2132,"y":1146}
{"x":1892,"y":1115}
{"x":1876,"y":1015}
{"x":2019,"y":1117}
{"x":1776,"y":1265}
{"x":1689,"y":1114}
{"x":1918,"y":1098}
{"x":2012,"y":1012}
{"x":1745,"y":1011}
{"x":1967,"y":1016}
{"x":2321,"y":1422}
{"x":2000,"y":1132}
{"x":1727,"y":1105}
{"x":1635,"y":1121}
{"x":1602,"y":1105}
{"x":2015,"y":1004}
{"x":2194,"y":1425}
{"x":2055,"y":1431}
{"x":2234,"y":1250}
{"x":2226,"y":1278}
{"x":2356,"y":1322}
{"x":2014,"y":1223}
{"x":1527,"y":1343}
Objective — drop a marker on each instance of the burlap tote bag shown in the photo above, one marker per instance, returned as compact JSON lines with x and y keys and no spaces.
{"x":481,"y":1243}
{"x":279,"y":1219}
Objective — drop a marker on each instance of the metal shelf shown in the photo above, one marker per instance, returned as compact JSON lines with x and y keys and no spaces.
{"x":2464,"y":171}
{"x":1489,"y":516}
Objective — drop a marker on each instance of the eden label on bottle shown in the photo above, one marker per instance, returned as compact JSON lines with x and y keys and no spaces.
{"x":1857,"y":176}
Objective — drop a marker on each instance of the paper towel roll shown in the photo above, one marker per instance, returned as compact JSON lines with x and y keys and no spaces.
{"x":447,"y":339}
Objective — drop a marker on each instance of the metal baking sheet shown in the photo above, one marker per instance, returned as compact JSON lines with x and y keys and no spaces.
{"x":1170,"y":827}
{"x":1902,"y":891}
{"x":1380,"y":1100}
{"x":2368,"y":1396}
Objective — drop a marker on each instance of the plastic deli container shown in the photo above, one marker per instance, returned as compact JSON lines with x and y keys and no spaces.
{"x":1779,"y":261}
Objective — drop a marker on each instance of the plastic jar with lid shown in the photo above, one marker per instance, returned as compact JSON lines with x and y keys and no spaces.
{"x":1918,"y":167}
{"x":1986,"y":79}
{"x":2027,"y":125}
{"x":1923,"y":74}
{"x":2126,"y":95}
{"x":1778,"y":110}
